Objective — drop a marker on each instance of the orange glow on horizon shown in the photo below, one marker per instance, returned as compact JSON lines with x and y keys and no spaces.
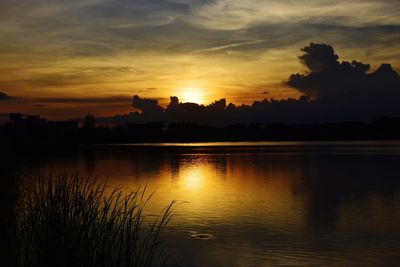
{"x":192,"y":95}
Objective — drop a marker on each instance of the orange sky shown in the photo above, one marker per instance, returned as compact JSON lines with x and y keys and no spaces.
{"x":62,"y":59}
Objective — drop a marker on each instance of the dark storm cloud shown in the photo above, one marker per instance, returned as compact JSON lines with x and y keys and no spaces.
{"x":346,"y":90}
{"x":332,"y":80}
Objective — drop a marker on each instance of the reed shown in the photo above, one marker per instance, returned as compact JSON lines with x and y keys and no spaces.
{"x":74,"y":221}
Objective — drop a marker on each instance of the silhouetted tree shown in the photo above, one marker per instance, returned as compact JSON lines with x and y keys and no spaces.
{"x":89,"y":121}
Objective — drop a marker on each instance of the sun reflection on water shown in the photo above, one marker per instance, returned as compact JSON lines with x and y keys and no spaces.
{"x":193,"y":179}
{"x":256,"y":205}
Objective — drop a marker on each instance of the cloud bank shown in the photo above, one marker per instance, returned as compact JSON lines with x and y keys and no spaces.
{"x":332,"y":90}
{"x":331,"y":79}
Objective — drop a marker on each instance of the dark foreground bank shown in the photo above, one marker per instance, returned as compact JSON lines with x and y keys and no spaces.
{"x":74,"y":221}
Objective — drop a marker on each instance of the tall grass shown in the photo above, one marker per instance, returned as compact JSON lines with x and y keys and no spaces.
{"x":75,"y":221}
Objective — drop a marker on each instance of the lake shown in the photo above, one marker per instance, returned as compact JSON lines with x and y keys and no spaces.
{"x":260,"y":204}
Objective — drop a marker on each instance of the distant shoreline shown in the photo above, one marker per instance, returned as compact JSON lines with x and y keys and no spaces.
{"x":54,"y":136}
{"x":259,"y":143}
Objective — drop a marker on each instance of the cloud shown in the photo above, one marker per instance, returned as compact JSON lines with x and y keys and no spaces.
{"x":217,"y":113}
{"x":147,"y":106}
{"x":333,"y":91}
{"x":4,"y":96}
{"x":237,"y":14}
{"x":48,"y":45}
{"x":332,"y":80}
{"x":77,"y":28}
{"x":82,"y":100}
{"x":347,"y":89}
{"x":318,"y":58}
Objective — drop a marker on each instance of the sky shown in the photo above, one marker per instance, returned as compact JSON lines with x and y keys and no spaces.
{"x":63,"y":59}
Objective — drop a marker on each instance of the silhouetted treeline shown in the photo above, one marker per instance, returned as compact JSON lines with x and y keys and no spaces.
{"x":40,"y":136}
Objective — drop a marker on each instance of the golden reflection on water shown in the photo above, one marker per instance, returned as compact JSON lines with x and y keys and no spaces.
{"x":262,"y":209}
{"x":195,"y":180}
{"x":224,"y":187}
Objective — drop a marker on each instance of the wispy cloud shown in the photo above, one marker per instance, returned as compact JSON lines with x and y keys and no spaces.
{"x":228,"y":46}
{"x":237,"y":14}
{"x":90,"y":47}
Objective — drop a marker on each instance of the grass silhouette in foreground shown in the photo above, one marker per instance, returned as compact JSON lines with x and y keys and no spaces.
{"x":75,"y":221}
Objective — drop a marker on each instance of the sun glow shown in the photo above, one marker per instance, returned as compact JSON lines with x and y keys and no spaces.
{"x":192,"y":94}
{"x":193,"y":178}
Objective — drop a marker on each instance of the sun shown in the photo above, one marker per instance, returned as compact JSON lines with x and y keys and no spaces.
{"x":192,"y":94}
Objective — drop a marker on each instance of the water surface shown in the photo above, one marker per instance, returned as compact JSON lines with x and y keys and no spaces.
{"x":261,"y":204}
